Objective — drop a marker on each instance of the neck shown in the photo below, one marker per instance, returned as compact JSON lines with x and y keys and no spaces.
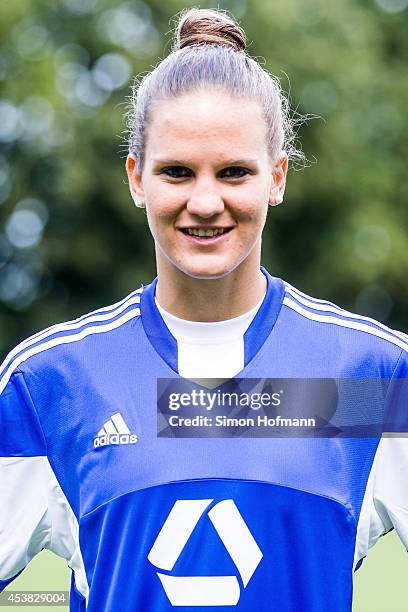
{"x":208,"y":300}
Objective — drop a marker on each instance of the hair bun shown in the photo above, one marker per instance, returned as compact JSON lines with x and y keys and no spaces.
{"x":209,"y":26}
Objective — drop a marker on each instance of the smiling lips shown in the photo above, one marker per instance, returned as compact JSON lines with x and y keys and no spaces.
{"x":205,"y":234}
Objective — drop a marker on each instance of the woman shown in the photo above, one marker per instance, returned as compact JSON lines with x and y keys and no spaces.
{"x":102,"y":463}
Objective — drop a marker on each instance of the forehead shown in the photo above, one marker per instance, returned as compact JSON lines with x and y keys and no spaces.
{"x":203,"y":120}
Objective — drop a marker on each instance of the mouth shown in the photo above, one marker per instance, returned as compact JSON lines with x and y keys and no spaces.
{"x":205,"y":235}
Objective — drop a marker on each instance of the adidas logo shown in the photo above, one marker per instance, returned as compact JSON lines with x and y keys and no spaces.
{"x":114,"y":431}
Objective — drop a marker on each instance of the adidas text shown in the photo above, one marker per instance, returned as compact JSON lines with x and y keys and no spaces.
{"x":115,"y":439}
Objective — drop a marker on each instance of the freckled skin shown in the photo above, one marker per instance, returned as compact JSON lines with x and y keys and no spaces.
{"x":224,"y":177}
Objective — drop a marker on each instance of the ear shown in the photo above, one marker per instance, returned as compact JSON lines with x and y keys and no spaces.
{"x":278,"y":183}
{"x":135,"y":181}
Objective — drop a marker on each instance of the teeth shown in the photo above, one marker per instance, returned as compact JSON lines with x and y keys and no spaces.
{"x":201,"y":232}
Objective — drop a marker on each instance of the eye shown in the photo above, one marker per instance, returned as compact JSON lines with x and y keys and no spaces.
{"x":176,"y":172}
{"x":235,"y":172}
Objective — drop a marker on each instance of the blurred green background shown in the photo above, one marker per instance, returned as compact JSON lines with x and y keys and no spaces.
{"x":70,"y":238}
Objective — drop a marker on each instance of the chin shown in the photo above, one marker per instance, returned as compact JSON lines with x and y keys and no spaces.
{"x":210,"y":272}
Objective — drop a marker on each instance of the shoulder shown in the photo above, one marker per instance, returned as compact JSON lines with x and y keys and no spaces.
{"x":330,"y":320}
{"x":69,"y":338}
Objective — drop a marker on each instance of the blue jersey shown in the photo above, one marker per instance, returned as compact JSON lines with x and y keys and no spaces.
{"x":156,"y":523}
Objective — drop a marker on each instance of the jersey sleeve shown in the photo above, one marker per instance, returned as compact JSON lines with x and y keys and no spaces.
{"x":385,"y":503}
{"x":25,"y":476}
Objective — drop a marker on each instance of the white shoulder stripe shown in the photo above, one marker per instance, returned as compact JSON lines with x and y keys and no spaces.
{"x":85,"y":316}
{"x":67,"y":326}
{"x":345,"y":313}
{"x":92,"y":329}
{"x":401,"y":335}
{"x":297,"y":293}
{"x":344,"y":323}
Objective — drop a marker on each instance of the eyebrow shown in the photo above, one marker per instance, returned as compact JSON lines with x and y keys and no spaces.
{"x":228,"y":162}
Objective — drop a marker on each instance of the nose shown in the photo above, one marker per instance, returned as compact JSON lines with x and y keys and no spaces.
{"x":205,"y":199}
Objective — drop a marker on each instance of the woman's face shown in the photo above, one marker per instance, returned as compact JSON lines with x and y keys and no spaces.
{"x":207,"y":171}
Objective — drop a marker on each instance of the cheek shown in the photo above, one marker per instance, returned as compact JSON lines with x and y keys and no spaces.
{"x":159,"y":209}
{"x":252,"y":211}
{"x":162,"y":203}
{"x":252,"y":201}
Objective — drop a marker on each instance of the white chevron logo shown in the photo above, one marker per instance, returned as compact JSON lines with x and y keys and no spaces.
{"x":236,"y":537}
{"x":114,"y":431}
